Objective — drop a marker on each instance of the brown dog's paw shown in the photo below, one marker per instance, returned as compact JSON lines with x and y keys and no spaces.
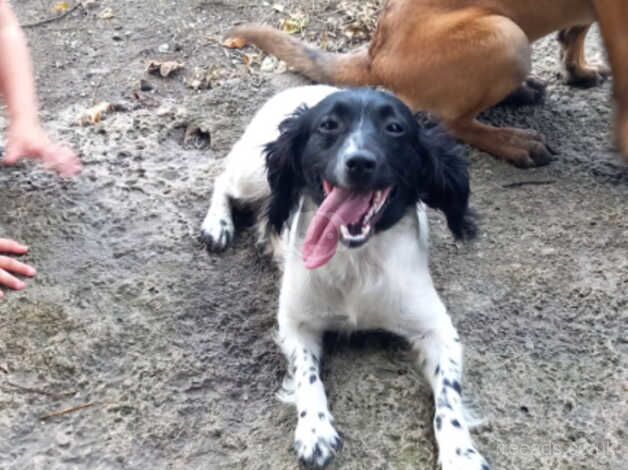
{"x":525,"y":148}
{"x":537,"y":154}
{"x":586,"y":77}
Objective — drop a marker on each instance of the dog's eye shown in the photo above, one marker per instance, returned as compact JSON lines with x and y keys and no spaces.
{"x":394,"y":128}
{"x":329,"y":125}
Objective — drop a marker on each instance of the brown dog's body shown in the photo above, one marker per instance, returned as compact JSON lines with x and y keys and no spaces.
{"x":456,"y":58}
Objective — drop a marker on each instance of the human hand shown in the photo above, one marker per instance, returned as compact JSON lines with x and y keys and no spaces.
{"x":10,"y":265}
{"x":29,"y":140}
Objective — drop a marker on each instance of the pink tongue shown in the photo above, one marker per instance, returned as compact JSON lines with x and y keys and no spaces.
{"x":340,"y":207}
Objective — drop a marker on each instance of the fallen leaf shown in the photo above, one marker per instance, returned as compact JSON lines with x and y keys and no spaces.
{"x":250,"y":59}
{"x":203,"y":79}
{"x":234,"y":43}
{"x":165,"y":69}
{"x":95,"y":114}
{"x":268,"y":64}
{"x":294,"y":25}
{"x":61,"y":7}
{"x":106,"y":14}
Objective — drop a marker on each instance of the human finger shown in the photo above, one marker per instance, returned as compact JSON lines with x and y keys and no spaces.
{"x":14,"y":266}
{"x":11,"y":246}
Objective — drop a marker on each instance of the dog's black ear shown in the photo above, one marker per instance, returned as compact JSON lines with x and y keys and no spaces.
{"x":283,"y":166}
{"x":445,"y":181}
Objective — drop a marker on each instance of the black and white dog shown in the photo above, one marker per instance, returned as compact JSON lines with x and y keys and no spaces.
{"x":342,"y":178}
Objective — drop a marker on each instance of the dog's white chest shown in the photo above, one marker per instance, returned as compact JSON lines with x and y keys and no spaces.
{"x":363,"y":288}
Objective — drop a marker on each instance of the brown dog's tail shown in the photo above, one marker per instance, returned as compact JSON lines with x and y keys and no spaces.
{"x":352,"y":69}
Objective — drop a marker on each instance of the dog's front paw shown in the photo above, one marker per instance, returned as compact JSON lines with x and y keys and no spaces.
{"x":217,"y":232}
{"x":316,"y":442}
{"x":463,"y":458}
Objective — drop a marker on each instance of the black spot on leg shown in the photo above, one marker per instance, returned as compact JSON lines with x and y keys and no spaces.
{"x":442,"y":402}
{"x":314,"y":358}
{"x":313,"y":430}
{"x":458,"y":451}
{"x":312,"y":378}
{"x":455,"y":423}
{"x":223,"y":223}
{"x":457,"y":339}
{"x":439,"y":423}
{"x":485,"y":467}
{"x":312,"y":369}
{"x":437,"y":370}
{"x":303,"y":414}
{"x":321,"y":416}
{"x":453,"y":384}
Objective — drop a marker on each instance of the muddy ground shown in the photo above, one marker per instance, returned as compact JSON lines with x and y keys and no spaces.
{"x":134,"y":348}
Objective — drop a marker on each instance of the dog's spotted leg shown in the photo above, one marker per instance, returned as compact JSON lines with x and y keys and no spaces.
{"x":428,"y":328}
{"x":441,"y":357}
{"x":217,"y":229}
{"x":316,"y":442}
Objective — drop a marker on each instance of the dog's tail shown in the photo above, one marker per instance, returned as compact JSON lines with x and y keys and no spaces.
{"x":350,"y":69}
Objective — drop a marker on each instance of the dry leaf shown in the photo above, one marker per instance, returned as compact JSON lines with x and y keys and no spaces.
{"x":95,"y":114}
{"x":294,"y":25}
{"x":165,"y":69}
{"x":234,"y":43}
{"x":203,"y":79}
{"x":106,"y":14}
{"x":250,"y":59}
{"x":61,"y":7}
{"x":268,"y":64}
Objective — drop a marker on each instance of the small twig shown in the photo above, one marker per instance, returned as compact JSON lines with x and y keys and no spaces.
{"x":74,"y":409}
{"x":518,"y":184}
{"x":53,"y":18}
{"x":38,"y":391}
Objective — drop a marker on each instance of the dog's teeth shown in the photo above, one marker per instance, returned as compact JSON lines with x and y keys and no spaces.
{"x":366,"y":229}
{"x":344,"y":231}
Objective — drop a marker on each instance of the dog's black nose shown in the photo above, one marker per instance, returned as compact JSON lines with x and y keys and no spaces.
{"x":360,"y":165}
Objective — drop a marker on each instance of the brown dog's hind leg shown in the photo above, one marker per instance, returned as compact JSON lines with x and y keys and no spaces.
{"x":577,"y":71}
{"x":612,"y":17}
{"x":504,"y":55}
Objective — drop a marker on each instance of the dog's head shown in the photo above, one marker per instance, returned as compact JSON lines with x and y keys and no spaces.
{"x":363,"y":159}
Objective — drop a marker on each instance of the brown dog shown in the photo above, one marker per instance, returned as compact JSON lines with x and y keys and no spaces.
{"x":456,"y":58}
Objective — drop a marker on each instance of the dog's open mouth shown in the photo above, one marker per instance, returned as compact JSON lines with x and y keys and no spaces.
{"x":345,"y":215}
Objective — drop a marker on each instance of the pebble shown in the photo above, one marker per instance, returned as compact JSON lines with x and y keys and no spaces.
{"x":63,"y":439}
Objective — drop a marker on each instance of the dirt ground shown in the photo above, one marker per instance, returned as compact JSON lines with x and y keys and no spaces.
{"x":134,"y":348}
